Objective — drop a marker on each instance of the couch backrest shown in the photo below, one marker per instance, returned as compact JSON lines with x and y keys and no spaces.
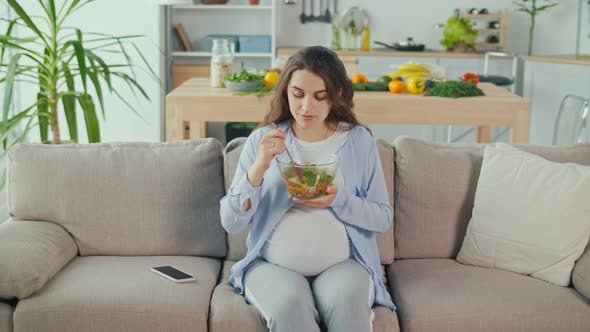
{"x":124,"y":198}
{"x":237,"y":242}
{"x":435,"y":188}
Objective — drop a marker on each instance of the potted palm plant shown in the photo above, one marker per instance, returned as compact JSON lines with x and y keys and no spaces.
{"x":533,"y":8}
{"x":62,"y":64}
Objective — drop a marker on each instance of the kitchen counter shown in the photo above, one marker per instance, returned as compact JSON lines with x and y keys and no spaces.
{"x":288,"y":51}
{"x":570,"y":59}
{"x":194,"y":103}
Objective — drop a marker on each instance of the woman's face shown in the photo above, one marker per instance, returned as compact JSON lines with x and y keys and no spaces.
{"x":308,"y":99}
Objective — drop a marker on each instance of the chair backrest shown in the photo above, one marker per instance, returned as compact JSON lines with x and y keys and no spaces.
{"x":514,"y":68}
{"x":572,"y":118}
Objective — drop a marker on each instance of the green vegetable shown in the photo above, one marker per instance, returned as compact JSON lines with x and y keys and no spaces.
{"x":371,"y":86}
{"x":459,"y":30}
{"x":259,"y":91}
{"x":454,"y":89}
{"x":384,"y":79}
{"x":244,"y":76}
{"x":308,"y":182}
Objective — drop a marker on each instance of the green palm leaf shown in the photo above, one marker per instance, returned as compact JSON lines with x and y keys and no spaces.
{"x":92,"y":126}
{"x":25,"y":17}
{"x":69,"y":104}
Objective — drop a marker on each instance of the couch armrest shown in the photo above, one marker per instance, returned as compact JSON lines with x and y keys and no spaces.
{"x":31,"y":252}
{"x":581,"y":273}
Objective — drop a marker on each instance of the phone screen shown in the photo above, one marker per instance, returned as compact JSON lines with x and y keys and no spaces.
{"x":172,"y":272}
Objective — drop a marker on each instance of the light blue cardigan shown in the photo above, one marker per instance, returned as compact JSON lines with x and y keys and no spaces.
{"x":363,"y":205}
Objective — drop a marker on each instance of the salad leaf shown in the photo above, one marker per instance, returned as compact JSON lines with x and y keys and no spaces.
{"x":244,"y":76}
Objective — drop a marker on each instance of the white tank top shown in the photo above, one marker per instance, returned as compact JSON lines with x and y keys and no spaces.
{"x":309,"y":240}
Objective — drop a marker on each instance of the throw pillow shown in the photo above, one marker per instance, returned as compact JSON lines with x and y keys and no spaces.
{"x":530,"y":215}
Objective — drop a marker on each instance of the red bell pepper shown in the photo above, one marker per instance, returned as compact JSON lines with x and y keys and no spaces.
{"x":471,"y":78}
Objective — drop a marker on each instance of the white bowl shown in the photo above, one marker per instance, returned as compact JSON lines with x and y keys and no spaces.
{"x":242,"y":86}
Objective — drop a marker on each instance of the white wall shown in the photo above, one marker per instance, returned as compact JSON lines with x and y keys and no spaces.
{"x":395,"y":20}
{"x":129,"y":17}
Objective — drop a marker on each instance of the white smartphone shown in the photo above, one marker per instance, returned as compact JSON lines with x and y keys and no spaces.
{"x":173,"y":274}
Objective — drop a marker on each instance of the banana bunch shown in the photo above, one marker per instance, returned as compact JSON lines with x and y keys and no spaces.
{"x":410,"y":69}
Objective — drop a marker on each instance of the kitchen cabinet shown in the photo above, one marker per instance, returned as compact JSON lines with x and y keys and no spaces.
{"x":545,"y":84}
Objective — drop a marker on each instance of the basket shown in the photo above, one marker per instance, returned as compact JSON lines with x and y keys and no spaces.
{"x":214,"y":2}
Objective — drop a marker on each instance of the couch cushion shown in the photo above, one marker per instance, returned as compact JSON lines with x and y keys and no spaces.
{"x":237,"y":242}
{"x":530,"y":215}
{"x":444,"y":295}
{"x":124,"y":198}
{"x":32,"y":252}
{"x":100,"y":293}
{"x":385,"y":240}
{"x":6,"y":311}
{"x":229,"y":311}
{"x":435,"y":189}
{"x":581,"y":274}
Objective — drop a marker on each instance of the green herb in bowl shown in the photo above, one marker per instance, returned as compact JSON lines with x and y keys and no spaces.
{"x":243,"y":80}
{"x":244,"y":76}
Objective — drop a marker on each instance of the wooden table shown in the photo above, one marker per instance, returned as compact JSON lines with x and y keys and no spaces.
{"x":190,"y":106}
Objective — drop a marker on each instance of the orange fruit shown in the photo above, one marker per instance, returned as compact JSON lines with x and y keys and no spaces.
{"x":271,"y":78}
{"x":360,"y":78}
{"x":395,"y":86}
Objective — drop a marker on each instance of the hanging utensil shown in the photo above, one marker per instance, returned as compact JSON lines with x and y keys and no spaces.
{"x":302,"y":16}
{"x":327,"y":15}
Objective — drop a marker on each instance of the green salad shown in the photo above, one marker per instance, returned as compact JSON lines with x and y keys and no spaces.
{"x":308,"y":182}
{"x":245,"y":76}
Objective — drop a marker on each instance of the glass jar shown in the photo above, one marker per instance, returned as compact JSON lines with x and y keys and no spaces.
{"x":336,"y":32}
{"x":351,"y":37}
{"x":221,"y":62}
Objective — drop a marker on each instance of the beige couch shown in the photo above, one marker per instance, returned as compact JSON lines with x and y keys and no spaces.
{"x":88,"y":223}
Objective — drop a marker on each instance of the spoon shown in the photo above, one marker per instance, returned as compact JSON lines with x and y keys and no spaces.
{"x":274,"y":126}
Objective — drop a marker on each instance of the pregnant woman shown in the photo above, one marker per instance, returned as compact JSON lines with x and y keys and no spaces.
{"x":311,"y":261}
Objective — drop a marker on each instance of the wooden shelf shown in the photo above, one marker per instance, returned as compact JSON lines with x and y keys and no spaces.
{"x":489,"y":30}
{"x":484,"y":19}
{"x":495,"y":45}
{"x":208,"y":54}
{"x":222,"y":7}
{"x":482,"y":16}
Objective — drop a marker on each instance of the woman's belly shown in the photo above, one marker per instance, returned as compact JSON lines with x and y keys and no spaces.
{"x":308,"y":241}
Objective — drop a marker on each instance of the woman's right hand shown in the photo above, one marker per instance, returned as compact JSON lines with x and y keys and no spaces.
{"x":271,"y":145}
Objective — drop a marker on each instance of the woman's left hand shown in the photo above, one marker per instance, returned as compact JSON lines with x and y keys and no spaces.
{"x":320,"y":202}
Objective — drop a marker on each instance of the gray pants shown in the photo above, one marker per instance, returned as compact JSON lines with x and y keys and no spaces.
{"x":340,"y":297}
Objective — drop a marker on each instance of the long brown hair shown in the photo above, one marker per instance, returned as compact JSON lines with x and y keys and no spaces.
{"x":326,"y":64}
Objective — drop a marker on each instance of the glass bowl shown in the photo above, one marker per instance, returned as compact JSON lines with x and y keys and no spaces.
{"x":306,"y":180}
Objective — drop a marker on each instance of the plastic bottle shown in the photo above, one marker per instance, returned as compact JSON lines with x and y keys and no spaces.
{"x":221,"y":62}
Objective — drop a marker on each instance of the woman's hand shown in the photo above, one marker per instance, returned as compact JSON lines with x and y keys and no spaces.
{"x":271,"y":145}
{"x":320,"y":202}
